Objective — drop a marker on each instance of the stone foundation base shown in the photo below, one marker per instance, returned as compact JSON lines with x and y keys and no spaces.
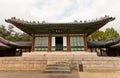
{"x":22,"y":63}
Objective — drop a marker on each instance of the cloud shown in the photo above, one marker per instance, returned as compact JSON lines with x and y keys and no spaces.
{"x":18,"y":8}
{"x":61,"y":10}
{"x":49,"y":9}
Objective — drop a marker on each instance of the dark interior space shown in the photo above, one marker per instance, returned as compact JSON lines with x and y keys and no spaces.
{"x":59,"y":43}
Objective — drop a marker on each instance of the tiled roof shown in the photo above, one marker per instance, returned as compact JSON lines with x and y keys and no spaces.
{"x":87,"y":27}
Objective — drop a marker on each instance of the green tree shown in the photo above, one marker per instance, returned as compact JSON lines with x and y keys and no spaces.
{"x":25,"y":37}
{"x":111,"y":33}
{"x":10,"y":29}
{"x":3,"y":31}
{"x":12,"y":35}
{"x":97,"y":36}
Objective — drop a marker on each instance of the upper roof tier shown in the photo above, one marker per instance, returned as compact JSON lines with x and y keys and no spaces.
{"x":87,"y":27}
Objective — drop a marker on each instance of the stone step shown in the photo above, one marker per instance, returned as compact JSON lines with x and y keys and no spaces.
{"x":63,"y":65}
{"x":101,"y":63}
{"x":57,"y":71}
{"x":58,"y":67}
{"x":54,"y":67}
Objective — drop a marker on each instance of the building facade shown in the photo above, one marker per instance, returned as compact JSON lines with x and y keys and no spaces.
{"x":60,"y":36}
{"x":59,"y":42}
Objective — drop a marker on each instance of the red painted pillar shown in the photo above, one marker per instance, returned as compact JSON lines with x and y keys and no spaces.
{"x":49,"y":43}
{"x":68,"y":43}
{"x":85,"y":43}
{"x":33,"y":43}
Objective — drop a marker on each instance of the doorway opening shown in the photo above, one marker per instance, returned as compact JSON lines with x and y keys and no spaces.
{"x":59,"y":43}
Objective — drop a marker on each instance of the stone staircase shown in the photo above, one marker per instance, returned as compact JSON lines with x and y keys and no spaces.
{"x":58,"y":67}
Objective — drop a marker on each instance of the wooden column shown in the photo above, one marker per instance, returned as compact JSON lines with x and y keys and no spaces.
{"x":49,"y":43}
{"x":68,"y":43}
{"x":85,"y":43}
{"x":117,"y":52}
{"x":33,"y":43}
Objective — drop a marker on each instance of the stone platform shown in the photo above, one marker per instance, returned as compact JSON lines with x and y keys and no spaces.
{"x":39,"y":60}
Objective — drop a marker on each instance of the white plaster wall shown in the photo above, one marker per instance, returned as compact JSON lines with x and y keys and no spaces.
{"x":64,"y":41}
{"x":53,"y":41}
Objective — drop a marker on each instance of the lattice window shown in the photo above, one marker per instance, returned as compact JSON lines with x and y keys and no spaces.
{"x":41,"y":43}
{"x":77,"y":43}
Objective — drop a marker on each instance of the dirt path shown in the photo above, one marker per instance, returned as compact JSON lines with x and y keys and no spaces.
{"x":114,"y":74}
{"x":36,"y":74}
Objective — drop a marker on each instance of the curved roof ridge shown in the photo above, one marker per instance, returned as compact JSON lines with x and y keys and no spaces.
{"x":4,"y":46}
{"x":14,"y":19}
{"x":86,"y":27}
{"x":7,"y":42}
{"x":2,"y":40}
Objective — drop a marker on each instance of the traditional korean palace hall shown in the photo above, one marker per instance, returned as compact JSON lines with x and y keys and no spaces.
{"x":69,"y":36}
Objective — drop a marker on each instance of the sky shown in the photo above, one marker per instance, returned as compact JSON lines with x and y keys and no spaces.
{"x":61,"y":10}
